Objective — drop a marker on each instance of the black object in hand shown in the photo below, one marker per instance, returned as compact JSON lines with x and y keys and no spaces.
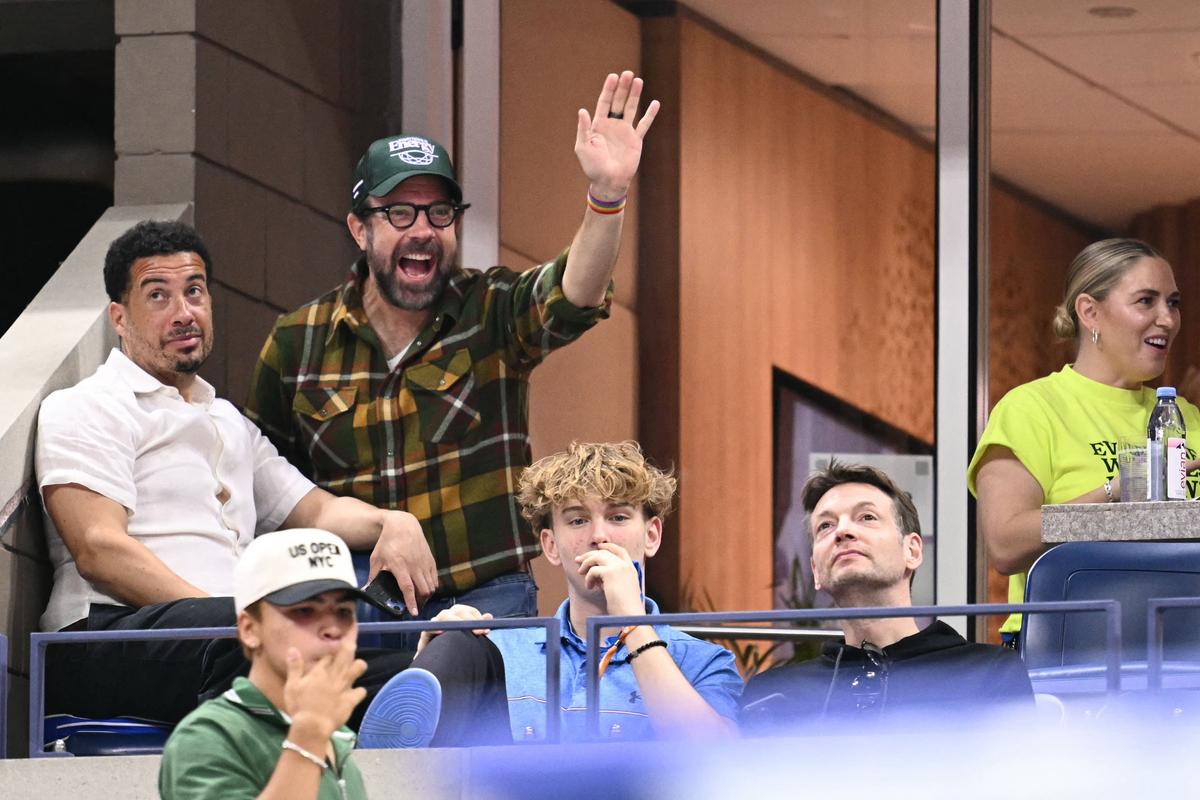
{"x":384,"y":589}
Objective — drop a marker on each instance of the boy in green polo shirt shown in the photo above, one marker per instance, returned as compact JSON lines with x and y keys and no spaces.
{"x":295,"y":596}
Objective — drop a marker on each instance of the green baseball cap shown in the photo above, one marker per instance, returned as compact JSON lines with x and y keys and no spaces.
{"x":392,"y":160}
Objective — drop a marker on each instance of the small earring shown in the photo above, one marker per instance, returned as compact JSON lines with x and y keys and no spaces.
{"x":1095,"y":336}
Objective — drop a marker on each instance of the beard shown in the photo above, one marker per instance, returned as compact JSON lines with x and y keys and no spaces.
{"x":384,"y":273}
{"x":191,"y":364}
{"x":868,"y":577}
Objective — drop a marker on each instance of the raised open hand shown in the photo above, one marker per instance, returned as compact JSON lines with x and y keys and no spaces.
{"x":609,"y":145}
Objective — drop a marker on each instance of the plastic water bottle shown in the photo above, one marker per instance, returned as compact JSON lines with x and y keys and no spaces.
{"x":1166,"y":449}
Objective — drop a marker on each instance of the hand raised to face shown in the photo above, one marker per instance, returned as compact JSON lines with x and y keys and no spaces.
{"x":324,"y":693}
{"x":610,"y":567}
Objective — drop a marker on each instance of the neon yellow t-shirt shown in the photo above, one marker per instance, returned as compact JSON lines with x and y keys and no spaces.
{"x":1063,"y":428}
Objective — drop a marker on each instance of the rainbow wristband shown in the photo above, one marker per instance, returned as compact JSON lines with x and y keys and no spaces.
{"x":605,"y":206}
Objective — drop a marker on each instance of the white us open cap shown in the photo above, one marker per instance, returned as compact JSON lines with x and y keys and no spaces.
{"x":287,"y":567}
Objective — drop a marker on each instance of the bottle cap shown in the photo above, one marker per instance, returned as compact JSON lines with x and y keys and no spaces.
{"x":1166,"y":391}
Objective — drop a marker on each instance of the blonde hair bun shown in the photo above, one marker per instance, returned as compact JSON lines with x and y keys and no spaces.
{"x":1063,"y":324}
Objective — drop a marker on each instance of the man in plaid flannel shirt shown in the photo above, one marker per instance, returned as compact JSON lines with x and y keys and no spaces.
{"x":407,"y":387}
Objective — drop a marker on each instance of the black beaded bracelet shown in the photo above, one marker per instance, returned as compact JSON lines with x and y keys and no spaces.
{"x":645,"y":647}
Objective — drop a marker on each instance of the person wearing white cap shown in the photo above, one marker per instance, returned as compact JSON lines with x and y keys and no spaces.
{"x":281,"y":731}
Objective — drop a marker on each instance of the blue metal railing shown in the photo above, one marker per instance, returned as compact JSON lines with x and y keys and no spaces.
{"x":1155,"y":607}
{"x":38,"y":642}
{"x":1111,"y":608}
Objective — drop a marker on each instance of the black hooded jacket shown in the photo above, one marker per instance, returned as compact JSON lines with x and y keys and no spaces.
{"x":934,"y":671}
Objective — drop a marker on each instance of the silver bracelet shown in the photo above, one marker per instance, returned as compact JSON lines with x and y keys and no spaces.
{"x":288,"y":744}
{"x":1108,"y":491}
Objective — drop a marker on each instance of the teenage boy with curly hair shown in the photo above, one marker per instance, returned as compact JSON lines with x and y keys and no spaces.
{"x":599,"y":511}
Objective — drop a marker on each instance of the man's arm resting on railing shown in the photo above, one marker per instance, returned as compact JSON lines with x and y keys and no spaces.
{"x":96,"y":531}
{"x":673,"y":705}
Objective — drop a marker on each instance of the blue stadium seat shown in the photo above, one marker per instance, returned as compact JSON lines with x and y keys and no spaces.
{"x":1129,"y":572}
{"x":119,"y":736}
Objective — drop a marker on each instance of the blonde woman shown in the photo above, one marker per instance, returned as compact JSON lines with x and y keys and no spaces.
{"x":1053,"y":440}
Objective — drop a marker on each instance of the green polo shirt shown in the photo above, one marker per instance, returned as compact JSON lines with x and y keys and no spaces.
{"x":229,"y":746}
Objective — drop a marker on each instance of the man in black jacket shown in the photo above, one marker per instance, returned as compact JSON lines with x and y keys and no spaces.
{"x":866,"y":547}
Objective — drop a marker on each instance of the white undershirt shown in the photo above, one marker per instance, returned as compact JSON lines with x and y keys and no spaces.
{"x":395,"y":360}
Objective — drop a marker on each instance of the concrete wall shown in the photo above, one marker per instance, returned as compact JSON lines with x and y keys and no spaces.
{"x":428,"y":774}
{"x":256,"y":112}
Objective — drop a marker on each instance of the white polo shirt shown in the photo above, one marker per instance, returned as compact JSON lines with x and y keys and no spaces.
{"x":125,"y":435}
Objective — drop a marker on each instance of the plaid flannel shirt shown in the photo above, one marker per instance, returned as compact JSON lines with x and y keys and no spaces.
{"x":445,"y":435}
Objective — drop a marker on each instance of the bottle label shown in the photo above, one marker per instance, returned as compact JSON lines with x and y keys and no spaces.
{"x":1176,"y":469}
{"x":1156,"y":462}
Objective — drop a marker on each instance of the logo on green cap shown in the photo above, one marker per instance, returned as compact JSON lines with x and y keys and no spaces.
{"x":377,"y":174}
{"x":413,"y":150}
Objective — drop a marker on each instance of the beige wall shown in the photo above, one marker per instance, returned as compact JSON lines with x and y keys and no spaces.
{"x":588,"y":391}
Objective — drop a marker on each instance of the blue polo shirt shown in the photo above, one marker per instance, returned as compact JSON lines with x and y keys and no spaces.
{"x":710,"y":668}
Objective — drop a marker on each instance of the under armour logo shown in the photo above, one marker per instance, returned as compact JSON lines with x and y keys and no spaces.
{"x":634,"y":697}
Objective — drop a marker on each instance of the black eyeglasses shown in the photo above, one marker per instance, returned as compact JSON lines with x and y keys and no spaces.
{"x":404,"y":215}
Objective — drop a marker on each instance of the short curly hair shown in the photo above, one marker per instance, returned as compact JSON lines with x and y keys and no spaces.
{"x":148,"y":238}
{"x":613,"y":471}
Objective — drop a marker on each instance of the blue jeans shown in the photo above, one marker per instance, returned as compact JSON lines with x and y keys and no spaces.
{"x":510,"y":595}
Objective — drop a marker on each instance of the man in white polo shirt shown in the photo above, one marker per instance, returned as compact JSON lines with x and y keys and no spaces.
{"x":153,"y":487}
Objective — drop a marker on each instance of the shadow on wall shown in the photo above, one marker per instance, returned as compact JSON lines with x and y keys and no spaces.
{"x":56,"y":164}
